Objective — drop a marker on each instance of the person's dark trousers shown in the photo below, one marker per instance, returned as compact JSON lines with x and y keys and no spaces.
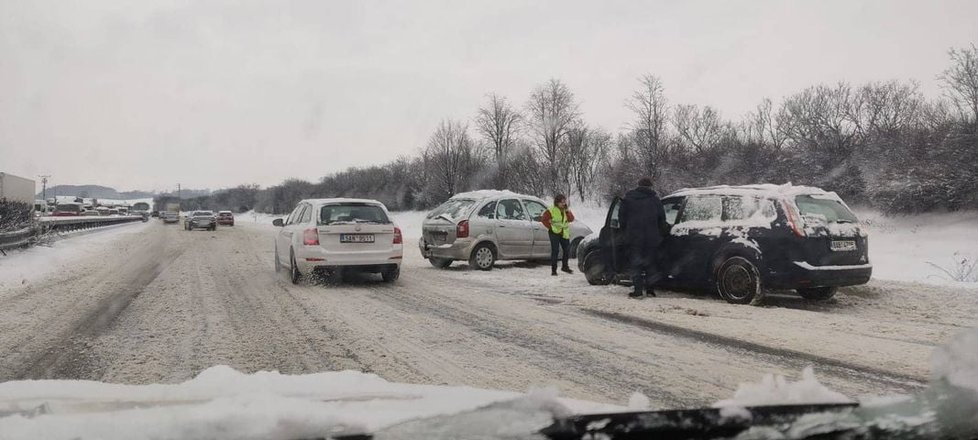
{"x":644,"y":270}
{"x":556,"y":244}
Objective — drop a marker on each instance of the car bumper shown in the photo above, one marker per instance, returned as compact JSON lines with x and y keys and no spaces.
{"x":309,"y":258}
{"x":226,"y":222}
{"x":459,"y":250}
{"x":201,"y":225}
{"x":799,"y":274}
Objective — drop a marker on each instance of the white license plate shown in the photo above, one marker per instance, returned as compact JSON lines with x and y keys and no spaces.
{"x":356,"y":238}
{"x":843,"y":245}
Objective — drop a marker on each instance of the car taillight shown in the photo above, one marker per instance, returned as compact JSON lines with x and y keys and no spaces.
{"x":794,"y":221}
{"x":462,"y":230}
{"x":398,"y":238}
{"x":310,"y":237}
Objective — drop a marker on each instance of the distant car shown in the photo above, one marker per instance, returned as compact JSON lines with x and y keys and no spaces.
{"x":90,"y":213}
{"x":482,"y":227}
{"x":200,"y":220}
{"x":741,"y":240}
{"x":322,"y":235}
{"x":170,"y":217}
{"x":68,"y":209}
{"x":225,"y":218}
{"x":155,"y":214}
{"x":113,"y":211}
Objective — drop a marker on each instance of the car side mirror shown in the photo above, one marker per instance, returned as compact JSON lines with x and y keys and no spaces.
{"x":278,"y":222}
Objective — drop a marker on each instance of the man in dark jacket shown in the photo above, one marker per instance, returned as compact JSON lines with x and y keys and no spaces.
{"x":643,"y":219}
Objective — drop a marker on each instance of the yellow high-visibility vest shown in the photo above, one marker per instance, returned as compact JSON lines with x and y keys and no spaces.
{"x":558,"y":222}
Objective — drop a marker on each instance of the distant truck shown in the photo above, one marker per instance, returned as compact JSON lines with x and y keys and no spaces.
{"x":171,"y":213}
{"x":16,"y":189}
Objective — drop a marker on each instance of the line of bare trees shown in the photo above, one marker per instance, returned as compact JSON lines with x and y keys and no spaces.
{"x":879,"y":143}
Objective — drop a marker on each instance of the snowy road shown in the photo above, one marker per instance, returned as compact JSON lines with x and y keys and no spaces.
{"x":159,"y":304}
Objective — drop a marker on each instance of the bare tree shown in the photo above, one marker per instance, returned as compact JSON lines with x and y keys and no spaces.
{"x":588,"y":152}
{"x":700,"y":129}
{"x":823,"y":120}
{"x":499,"y":123}
{"x":651,"y":110}
{"x":764,"y":126}
{"x":552,"y":114}
{"x":886,"y":108}
{"x":450,"y":159}
{"x":961,"y":82}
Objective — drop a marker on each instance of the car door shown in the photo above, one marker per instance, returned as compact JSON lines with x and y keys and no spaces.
{"x":669,"y":250}
{"x":286,"y":231}
{"x":513,"y":229}
{"x":613,"y":237}
{"x":540,"y":247}
{"x":695,"y":238}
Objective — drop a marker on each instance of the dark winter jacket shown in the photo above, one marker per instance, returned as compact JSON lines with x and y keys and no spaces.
{"x":643,"y":218}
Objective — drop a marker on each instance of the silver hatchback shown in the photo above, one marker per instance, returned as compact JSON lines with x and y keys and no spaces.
{"x":482,"y":227}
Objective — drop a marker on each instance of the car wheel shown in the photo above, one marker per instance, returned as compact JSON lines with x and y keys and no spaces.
{"x":440,"y":263}
{"x":483,"y":257}
{"x":294,"y":274}
{"x":818,"y":293}
{"x":739,"y":281}
{"x":594,"y":271}
{"x":573,"y":247}
{"x":278,"y":261}
{"x":391,"y":275}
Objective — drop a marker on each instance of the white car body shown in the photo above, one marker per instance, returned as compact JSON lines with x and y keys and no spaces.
{"x":308,"y":242}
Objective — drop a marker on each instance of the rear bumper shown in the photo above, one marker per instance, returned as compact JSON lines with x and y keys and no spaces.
{"x":459,"y":250}
{"x":226,"y":222}
{"x":799,"y":274}
{"x":315,"y":257}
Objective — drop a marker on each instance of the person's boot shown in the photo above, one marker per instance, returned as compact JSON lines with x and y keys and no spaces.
{"x":650,"y":292}
{"x":553,"y":271}
{"x":566,"y":269}
{"x":637,"y":292}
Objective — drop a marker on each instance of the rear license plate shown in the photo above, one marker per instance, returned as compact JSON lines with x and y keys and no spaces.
{"x":843,"y":245}
{"x":356,"y":238}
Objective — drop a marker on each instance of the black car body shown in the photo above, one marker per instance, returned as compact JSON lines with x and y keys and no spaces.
{"x":740,"y":240}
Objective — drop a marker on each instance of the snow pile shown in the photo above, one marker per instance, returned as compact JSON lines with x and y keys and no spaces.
{"x":776,"y":390}
{"x":223,"y":403}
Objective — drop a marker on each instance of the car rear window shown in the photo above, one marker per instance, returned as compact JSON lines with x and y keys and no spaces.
{"x":202,"y":214}
{"x":452,"y":209}
{"x":352,"y":213}
{"x":832,"y":210}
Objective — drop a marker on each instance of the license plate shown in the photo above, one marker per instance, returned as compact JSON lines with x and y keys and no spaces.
{"x":843,"y":245}
{"x":356,"y":238}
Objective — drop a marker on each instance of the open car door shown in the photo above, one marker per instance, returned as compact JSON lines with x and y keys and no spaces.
{"x":613,"y":238}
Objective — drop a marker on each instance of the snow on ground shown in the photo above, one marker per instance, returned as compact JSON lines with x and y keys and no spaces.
{"x":902,"y":248}
{"x":223,"y":403}
{"x":28,"y":265}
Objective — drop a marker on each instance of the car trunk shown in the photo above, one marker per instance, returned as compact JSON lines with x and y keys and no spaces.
{"x":356,"y":238}
{"x":832,"y":235}
{"x":439,"y":231}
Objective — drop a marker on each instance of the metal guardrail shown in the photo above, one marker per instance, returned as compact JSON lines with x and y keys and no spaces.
{"x":45,"y":225}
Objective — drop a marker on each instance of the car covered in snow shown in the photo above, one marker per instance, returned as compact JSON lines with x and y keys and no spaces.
{"x":743,"y":240}
{"x":225,"y":218}
{"x":483,"y":227}
{"x":330,"y":235}
{"x":200,"y":220}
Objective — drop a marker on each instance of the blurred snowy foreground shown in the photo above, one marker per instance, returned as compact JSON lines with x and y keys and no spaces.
{"x":223,"y":403}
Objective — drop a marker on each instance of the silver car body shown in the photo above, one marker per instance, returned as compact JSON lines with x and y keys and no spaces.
{"x":200,"y":219}
{"x":507,"y":220}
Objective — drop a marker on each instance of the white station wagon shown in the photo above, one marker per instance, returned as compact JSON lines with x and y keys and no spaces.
{"x":339,"y":234}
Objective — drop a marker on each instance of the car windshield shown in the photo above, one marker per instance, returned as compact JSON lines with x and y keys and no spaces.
{"x":471,"y":219}
{"x":824,"y":208}
{"x":452,"y":209}
{"x":352,"y":213}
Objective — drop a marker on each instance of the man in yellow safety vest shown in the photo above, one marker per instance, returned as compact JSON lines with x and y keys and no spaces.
{"x":557,"y":219}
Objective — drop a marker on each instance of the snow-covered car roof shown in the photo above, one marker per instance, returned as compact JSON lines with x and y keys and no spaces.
{"x":490,"y":193}
{"x":762,"y":190}
{"x":336,"y":201}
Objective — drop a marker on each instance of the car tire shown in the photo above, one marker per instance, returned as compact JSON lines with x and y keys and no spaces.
{"x":294,"y":274}
{"x":593,"y":267}
{"x":483,"y":257}
{"x":738,"y":281}
{"x":440,"y":263}
{"x":818,"y":293}
{"x":392,"y":275}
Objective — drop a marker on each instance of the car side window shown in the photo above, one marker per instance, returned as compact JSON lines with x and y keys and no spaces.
{"x":488,"y":211}
{"x":615,"y":220}
{"x":306,"y":215}
{"x":510,"y":209}
{"x":671,"y":206}
{"x":706,"y":208}
{"x":295,"y":213}
{"x":742,"y":208}
{"x":534,"y":209}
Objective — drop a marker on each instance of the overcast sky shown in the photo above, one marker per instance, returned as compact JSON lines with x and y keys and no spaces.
{"x":142,"y":95}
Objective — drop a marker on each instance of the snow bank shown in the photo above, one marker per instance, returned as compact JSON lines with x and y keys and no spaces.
{"x":223,"y":403}
{"x":774,"y":389}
